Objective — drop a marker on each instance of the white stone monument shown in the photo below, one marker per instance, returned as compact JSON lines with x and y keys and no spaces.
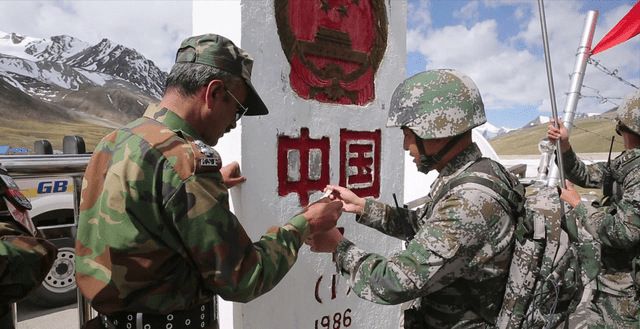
{"x":326,"y":69}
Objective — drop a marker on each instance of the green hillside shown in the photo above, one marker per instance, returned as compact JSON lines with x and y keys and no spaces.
{"x":589,"y":135}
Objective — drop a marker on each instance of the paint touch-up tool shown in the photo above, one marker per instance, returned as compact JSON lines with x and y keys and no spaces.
{"x":326,"y":194}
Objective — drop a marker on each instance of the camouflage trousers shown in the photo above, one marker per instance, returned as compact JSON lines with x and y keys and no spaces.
{"x":608,"y":311}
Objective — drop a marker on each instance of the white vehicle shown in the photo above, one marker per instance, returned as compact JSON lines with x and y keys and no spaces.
{"x":52,"y":183}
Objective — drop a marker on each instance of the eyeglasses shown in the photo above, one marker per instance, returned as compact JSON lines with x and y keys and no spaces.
{"x":240,"y":109}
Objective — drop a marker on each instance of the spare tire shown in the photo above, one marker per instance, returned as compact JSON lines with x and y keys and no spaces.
{"x":59,"y":286}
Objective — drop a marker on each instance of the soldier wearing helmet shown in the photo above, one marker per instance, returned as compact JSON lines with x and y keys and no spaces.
{"x":456,"y":263}
{"x":614,"y":220}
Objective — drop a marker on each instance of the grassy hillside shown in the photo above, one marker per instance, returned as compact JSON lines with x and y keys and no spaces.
{"x":589,"y":135}
{"x":23,"y":133}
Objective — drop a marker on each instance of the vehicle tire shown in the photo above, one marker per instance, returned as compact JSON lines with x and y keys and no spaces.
{"x":59,"y":286}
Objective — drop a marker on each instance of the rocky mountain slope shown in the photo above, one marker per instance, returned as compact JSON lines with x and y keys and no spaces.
{"x":59,"y":77}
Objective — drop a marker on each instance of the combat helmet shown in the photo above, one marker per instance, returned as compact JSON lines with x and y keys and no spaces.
{"x":628,"y":113}
{"x":437,"y":104}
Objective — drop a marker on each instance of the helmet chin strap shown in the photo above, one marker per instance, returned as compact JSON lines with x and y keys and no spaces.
{"x":428,"y":161}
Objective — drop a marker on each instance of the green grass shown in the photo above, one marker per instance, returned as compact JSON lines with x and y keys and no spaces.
{"x":589,"y":135}
{"x":23,"y":133}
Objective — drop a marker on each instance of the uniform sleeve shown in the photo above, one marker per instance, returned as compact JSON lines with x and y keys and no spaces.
{"x":576,"y":171}
{"x":389,"y":220}
{"x":231,"y":265}
{"x":24,"y":262}
{"x":465,"y":227}
{"x":618,"y":225}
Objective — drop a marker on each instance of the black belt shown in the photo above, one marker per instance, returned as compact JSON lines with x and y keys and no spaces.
{"x":202,"y":316}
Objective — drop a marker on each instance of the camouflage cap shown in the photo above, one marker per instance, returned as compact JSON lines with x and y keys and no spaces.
{"x":437,"y":104}
{"x":220,"y":52}
{"x":628,"y":112}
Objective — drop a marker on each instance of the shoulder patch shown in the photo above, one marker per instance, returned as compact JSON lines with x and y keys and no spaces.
{"x":207,"y":159}
{"x":20,"y":215}
{"x":626,"y":163}
{"x":629,"y":156}
{"x":209,"y":162}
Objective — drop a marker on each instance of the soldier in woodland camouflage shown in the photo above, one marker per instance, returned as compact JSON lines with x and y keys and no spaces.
{"x":456,"y":264}
{"x":156,"y":239}
{"x":25,"y":256}
{"x":614,"y":221}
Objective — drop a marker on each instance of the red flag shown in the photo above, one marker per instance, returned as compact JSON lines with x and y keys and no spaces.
{"x":627,"y":28}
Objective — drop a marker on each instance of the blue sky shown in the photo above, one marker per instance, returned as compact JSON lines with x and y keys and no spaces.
{"x":497,"y":43}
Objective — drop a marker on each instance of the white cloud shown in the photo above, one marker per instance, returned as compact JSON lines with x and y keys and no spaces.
{"x":469,"y":12}
{"x":511,"y":72}
{"x":415,"y":39}
{"x":154,"y":28}
{"x":418,"y":15}
{"x":505,"y":76}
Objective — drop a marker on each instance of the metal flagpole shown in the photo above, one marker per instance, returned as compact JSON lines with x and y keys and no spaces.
{"x":584,"y":51}
{"x":552,"y":93}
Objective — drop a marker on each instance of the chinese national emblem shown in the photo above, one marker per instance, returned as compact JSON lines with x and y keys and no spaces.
{"x":334,"y":47}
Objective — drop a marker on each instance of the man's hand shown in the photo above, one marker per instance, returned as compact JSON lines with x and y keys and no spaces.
{"x":553,"y":134}
{"x":350,"y":201}
{"x":231,"y":175}
{"x":322,"y":215}
{"x":570,"y":195}
{"x":325,"y":241}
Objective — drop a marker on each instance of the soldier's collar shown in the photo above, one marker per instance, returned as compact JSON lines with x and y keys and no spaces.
{"x":470,"y":153}
{"x":161,"y":114}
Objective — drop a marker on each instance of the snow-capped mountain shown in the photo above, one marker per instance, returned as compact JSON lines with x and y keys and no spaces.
{"x":55,"y":68}
{"x":490,"y":131}
{"x":55,"y":49}
{"x":543,"y":119}
{"x":127,"y":64}
{"x":538,"y":121}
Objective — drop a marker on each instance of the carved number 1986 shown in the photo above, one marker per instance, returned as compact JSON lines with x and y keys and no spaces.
{"x":339,"y":320}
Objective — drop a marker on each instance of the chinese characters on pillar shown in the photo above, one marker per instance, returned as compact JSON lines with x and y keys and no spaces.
{"x":360,"y":162}
{"x":303,"y":163}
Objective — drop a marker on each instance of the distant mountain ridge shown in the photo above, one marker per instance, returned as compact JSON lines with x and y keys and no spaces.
{"x":590,"y":134}
{"x":106,"y":80}
{"x":490,"y":131}
{"x":546,"y":119}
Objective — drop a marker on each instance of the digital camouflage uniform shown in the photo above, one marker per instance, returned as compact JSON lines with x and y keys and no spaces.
{"x":615,"y":224}
{"x":155,"y":232}
{"x":457,"y":264}
{"x":25,"y":256}
{"x":458,"y":261}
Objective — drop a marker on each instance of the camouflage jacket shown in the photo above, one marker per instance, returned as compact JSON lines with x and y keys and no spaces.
{"x":457,"y":262}
{"x":616,"y":224}
{"x":25,"y":260}
{"x":155,"y":232}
